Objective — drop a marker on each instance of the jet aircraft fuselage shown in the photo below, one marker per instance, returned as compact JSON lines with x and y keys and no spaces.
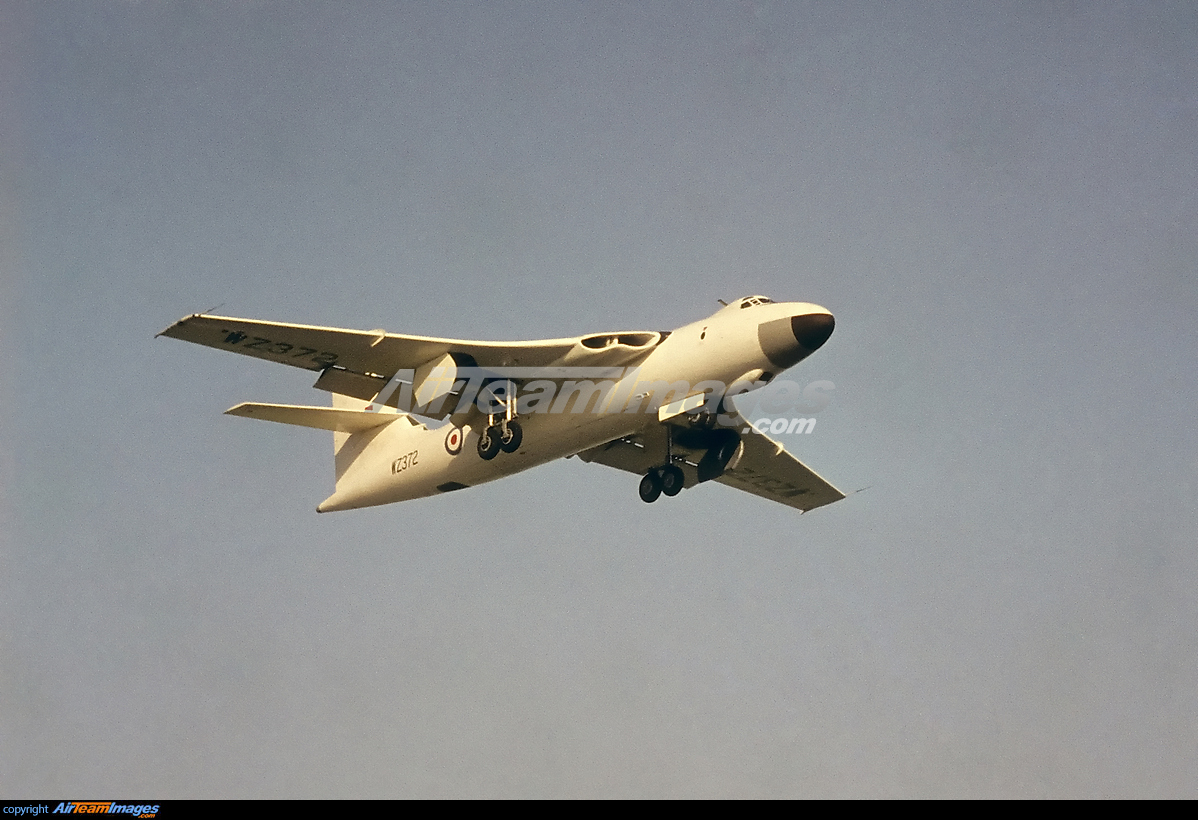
{"x":415,"y":417}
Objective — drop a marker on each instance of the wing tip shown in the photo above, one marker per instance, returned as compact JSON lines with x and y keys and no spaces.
{"x":178,"y":324}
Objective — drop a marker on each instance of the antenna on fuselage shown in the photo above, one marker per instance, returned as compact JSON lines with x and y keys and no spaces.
{"x":722,"y":302}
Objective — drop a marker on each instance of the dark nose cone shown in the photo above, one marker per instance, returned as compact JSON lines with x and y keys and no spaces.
{"x":812,"y":330}
{"x":786,"y":342}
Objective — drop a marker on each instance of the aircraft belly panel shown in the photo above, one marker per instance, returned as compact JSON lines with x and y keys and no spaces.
{"x":404,"y":462}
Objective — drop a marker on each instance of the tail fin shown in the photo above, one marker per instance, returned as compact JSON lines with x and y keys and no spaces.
{"x":348,"y":446}
{"x":341,"y":402}
{"x":344,"y":456}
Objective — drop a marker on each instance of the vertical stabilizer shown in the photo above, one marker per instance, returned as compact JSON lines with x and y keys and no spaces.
{"x":344,"y":456}
{"x":348,"y":446}
{"x":343,"y":403}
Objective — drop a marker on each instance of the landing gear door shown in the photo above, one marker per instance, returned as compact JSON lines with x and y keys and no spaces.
{"x":434,"y":380}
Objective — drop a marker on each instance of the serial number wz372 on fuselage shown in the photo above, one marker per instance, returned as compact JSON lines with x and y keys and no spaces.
{"x":414,"y":416}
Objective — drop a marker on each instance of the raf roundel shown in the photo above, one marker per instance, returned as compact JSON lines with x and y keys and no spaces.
{"x":453,"y":441}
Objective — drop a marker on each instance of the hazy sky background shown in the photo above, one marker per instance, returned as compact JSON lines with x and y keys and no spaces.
{"x":999,"y":202}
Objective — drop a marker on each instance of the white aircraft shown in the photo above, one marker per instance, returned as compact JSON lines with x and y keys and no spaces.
{"x":415,"y":416}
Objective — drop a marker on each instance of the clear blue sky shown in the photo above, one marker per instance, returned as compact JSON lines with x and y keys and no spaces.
{"x":996,"y":199}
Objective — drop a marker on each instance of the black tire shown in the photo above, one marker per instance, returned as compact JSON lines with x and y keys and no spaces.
{"x":672,"y":480}
{"x":719,"y":453}
{"x":488,"y":443}
{"x":515,"y":434}
{"x":650,"y":488}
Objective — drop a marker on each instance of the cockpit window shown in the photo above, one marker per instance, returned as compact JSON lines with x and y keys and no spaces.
{"x":755,"y":300}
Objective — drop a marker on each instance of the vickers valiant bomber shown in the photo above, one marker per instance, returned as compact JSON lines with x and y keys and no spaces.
{"x":414,"y":416}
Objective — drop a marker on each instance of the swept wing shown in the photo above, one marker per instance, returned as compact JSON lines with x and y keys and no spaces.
{"x":763,"y":467}
{"x":359,"y":363}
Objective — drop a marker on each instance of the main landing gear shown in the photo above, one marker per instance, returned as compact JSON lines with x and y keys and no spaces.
{"x":721,"y":446}
{"x":666,"y":480}
{"x":505,"y":435}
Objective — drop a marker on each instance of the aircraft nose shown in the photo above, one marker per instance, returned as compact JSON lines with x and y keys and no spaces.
{"x":812,"y":329}
{"x":787,"y":341}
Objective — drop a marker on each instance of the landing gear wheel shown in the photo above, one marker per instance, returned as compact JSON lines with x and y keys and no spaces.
{"x":672,"y":480}
{"x":650,"y":488}
{"x":489,"y":443}
{"x":719,"y":455}
{"x":510,"y":436}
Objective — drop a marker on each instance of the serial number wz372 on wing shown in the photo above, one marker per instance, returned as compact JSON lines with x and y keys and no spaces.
{"x":413,"y":416}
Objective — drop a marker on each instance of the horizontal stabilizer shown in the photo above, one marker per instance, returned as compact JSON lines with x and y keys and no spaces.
{"x":322,"y":418}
